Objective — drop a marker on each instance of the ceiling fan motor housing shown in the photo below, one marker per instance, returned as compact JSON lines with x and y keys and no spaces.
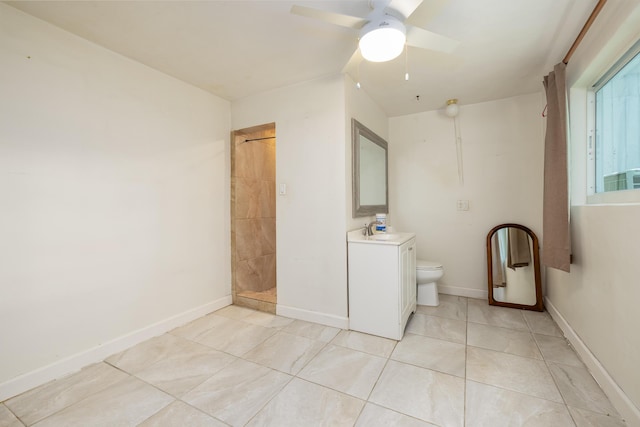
{"x":382,"y":39}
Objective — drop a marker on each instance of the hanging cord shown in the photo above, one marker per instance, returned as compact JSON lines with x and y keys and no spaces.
{"x":456,"y":127}
{"x":406,"y":62}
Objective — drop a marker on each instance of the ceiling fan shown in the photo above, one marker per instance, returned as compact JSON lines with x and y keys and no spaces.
{"x":384,"y":32}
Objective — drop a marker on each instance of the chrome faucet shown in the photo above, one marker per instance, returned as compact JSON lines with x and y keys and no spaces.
{"x":367,"y":228}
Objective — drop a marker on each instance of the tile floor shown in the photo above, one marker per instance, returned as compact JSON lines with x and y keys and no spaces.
{"x":463,"y":363}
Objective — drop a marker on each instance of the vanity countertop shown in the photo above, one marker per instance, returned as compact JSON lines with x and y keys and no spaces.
{"x":389,"y":238}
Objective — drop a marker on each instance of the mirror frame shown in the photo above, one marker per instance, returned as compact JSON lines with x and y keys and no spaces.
{"x":358,"y":130}
{"x":539,"y":304}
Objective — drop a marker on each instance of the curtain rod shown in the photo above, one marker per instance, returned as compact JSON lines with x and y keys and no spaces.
{"x":587,"y":25}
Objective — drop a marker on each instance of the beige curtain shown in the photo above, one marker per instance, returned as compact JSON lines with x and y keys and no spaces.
{"x":518,"y":254}
{"x":556,"y":250}
{"x":498,"y":273}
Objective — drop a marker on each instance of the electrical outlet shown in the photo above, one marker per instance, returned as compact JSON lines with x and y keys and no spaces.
{"x":463,"y":205}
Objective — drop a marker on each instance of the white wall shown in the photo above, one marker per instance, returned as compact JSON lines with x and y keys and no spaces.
{"x":114,"y":193}
{"x":361,"y":107}
{"x":310,"y":218}
{"x":598,"y":300}
{"x":503,"y":165}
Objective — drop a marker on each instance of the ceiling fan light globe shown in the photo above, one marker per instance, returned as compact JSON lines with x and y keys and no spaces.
{"x":452,"y":110}
{"x":383,"y":40}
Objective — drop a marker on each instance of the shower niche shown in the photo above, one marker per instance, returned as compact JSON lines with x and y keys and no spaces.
{"x":253,"y":217}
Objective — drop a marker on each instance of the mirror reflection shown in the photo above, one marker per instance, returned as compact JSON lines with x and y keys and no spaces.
{"x":513,"y":266}
{"x":370,"y":193}
{"x":373,"y":160}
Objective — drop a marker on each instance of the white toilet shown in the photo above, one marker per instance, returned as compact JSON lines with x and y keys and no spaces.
{"x":427,"y":275}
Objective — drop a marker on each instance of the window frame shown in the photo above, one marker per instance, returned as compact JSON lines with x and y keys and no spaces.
{"x":605,"y":197}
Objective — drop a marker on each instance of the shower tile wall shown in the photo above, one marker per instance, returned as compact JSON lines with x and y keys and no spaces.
{"x":253,"y":193}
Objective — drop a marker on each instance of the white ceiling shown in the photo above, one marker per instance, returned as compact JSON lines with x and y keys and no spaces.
{"x":238,"y":48}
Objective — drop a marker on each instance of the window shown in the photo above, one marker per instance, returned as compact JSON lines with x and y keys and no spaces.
{"x":617,"y":126}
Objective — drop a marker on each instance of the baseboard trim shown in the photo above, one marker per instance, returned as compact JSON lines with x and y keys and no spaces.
{"x":73,"y":363}
{"x":313,"y":316}
{"x":616,"y":395}
{"x":463,"y":292}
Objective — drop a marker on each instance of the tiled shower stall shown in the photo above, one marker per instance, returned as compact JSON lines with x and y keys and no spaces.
{"x":253,"y":217}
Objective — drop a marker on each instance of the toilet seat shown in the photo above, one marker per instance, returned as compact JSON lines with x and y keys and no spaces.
{"x":428,"y":265}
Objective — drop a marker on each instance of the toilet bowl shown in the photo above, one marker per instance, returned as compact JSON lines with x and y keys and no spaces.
{"x":427,"y":275}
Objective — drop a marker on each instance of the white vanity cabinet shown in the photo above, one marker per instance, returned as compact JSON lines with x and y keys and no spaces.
{"x":382,"y":283}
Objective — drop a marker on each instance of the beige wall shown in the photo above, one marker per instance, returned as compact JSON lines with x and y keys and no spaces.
{"x":313,"y":159}
{"x":502,"y":146}
{"x":599,"y":298}
{"x":114,"y":187}
{"x":310,"y":218}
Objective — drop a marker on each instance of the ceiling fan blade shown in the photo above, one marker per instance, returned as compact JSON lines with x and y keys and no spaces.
{"x":333,"y":18}
{"x":352,"y":64}
{"x":405,"y":7}
{"x":419,"y":37}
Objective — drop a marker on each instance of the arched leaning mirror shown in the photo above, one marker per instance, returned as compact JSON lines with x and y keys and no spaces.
{"x":513,"y":266}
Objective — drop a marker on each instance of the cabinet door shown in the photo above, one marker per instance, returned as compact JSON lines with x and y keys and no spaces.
{"x":407,"y":286}
{"x":413,"y":287}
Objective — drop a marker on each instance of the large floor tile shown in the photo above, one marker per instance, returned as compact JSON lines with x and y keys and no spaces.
{"x":302,"y":403}
{"x":236,"y":393}
{"x":51,"y":397}
{"x":516,"y":373}
{"x":510,"y":341}
{"x":239,"y":367}
{"x":180,"y":372}
{"x":431,"y":353}
{"x":267,"y":320}
{"x":421,"y":393}
{"x":199,"y":326}
{"x":235,"y":312}
{"x":314,"y":331}
{"x":496,"y":407}
{"x":285,"y":352}
{"x":126,"y":403}
{"x":377,"y":416}
{"x":541,"y":323}
{"x":147,"y":353}
{"x":480,"y":311}
{"x":7,"y":419}
{"x":371,"y":344}
{"x":579,"y":389}
{"x":235,"y":337}
{"x":557,"y":349}
{"x":179,"y":414}
{"x":584,"y":418}
{"x":451,"y":307}
{"x":349,"y":371}
{"x":438,"y":327}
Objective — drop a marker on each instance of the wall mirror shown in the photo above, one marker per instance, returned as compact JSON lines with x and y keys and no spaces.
{"x":370,"y":190}
{"x":513,"y":266}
